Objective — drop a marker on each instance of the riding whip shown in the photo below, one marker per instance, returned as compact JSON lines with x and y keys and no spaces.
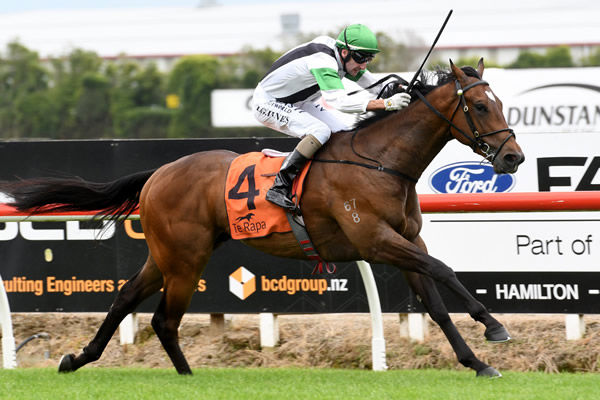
{"x":412,"y":82}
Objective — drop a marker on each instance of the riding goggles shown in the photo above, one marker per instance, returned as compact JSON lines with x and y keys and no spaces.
{"x":361,"y":56}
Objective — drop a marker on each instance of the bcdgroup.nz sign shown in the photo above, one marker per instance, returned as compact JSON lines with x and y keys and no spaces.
{"x":80,"y":266}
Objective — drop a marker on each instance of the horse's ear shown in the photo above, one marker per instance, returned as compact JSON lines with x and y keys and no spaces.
{"x":458,"y":73}
{"x":480,"y":67}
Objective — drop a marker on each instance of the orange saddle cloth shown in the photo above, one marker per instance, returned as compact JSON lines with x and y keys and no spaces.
{"x":249,"y":178}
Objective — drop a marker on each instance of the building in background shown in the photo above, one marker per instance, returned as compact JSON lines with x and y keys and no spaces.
{"x":494,"y":30}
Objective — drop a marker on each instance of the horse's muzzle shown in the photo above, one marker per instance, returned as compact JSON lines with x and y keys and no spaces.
{"x":508,"y":162}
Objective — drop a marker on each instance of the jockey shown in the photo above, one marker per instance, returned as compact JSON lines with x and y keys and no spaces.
{"x":286,"y":99}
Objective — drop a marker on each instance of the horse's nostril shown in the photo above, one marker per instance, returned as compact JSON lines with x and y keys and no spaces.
{"x":511,"y":158}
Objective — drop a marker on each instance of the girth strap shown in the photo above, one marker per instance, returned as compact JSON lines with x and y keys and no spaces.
{"x":301,"y":235}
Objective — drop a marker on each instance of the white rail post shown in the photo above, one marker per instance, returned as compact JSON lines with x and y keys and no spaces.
{"x":575,"y":326}
{"x":269,"y":330}
{"x":413,"y":326}
{"x":378,"y":341}
{"x":128,"y":328}
{"x":9,"y":354}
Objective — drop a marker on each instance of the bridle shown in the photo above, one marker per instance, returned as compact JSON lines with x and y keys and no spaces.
{"x":476,"y":140}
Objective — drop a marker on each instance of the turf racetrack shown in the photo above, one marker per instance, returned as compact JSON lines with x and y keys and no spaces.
{"x":288,"y":384}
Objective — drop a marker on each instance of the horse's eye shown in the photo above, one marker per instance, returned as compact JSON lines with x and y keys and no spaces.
{"x":480,"y":107}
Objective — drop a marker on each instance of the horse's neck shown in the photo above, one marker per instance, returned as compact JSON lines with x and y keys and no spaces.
{"x":407,"y":141}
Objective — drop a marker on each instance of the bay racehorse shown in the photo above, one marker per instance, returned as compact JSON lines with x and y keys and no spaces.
{"x":184,"y":218}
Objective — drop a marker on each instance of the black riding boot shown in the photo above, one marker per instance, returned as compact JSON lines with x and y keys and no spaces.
{"x":279,"y":194}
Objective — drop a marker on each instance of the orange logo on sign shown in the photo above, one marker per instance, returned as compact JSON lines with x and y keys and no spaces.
{"x":242,"y":283}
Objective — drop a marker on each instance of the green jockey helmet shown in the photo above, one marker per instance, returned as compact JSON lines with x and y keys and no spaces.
{"x":357,"y":37}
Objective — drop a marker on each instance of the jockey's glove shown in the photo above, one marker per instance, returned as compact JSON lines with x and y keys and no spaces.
{"x":397,"y":101}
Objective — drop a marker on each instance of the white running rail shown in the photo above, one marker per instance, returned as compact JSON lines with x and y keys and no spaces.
{"x":9,"y":354}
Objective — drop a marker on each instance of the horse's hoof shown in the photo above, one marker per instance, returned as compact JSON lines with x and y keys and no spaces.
{"x":185,"y":372}
{"x":489,"y":372}
{"x":497,"y":334}
{"x":66,"y":363}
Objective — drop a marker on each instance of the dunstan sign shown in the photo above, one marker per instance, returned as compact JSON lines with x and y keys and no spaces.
{"x":549,"y":100}
{"x":544,"y":100}
{"x":560,"y":107}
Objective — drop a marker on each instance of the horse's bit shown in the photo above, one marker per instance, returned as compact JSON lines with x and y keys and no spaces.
{"x":477,"y":141}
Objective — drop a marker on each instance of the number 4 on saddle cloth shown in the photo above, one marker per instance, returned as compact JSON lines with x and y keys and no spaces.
{"x":251,"y":216}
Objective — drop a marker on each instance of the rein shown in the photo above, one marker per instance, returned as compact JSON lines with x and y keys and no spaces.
{"x":477,"y":141}
{"x":378,"y":167}
{"x":398,"y":81}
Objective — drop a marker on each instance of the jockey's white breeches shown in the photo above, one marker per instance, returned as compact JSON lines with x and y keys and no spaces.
{"x":298,"y":120}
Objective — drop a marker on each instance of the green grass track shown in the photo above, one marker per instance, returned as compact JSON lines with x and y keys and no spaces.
{"x":288,"y":384}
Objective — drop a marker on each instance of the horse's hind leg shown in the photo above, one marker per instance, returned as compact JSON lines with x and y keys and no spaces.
{"x":178,"y":291}
{"x":181,"y":255}
{"x":143,"y":284}
{"x":426,"y":289}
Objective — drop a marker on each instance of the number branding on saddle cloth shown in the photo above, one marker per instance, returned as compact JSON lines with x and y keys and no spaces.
{"x":249,"y":178}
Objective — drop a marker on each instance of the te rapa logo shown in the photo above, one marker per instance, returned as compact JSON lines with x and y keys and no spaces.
{"x":246,"y":217}
{"x":470,"y":177}
{"x":242,"y":283}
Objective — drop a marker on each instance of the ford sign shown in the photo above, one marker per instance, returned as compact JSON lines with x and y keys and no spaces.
{"x":470,"y":177}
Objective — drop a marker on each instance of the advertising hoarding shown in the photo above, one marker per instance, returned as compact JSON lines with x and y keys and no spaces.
{"x":512,"y":262}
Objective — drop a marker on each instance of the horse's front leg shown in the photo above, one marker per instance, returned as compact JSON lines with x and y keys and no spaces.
{"x":386,"y":246}
{"x":424,"y":287}
{"x":494,"y":330}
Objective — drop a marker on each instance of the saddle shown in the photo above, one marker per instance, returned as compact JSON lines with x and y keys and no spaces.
{"x":251,"y":216}
{"x":249,"y":178}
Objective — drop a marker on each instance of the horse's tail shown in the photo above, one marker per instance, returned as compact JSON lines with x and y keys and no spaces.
{"x":112,"y":200}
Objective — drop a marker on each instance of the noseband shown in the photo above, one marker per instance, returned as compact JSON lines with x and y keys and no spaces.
{"x":476,"y":140}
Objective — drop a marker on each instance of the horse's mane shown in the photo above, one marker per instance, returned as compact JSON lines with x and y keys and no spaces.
{"x":427,"y":82}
